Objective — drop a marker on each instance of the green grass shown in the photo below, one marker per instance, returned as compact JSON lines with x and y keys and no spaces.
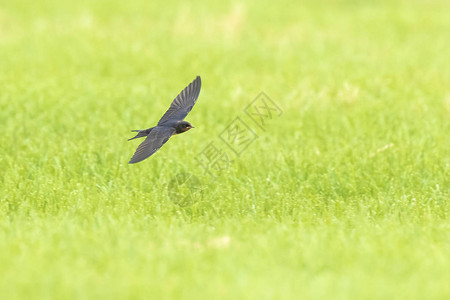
{"x":344,"y":196}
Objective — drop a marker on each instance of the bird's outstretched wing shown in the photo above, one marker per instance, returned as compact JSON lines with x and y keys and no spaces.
{"x":155,"y":139}
{"x":183,"y":103}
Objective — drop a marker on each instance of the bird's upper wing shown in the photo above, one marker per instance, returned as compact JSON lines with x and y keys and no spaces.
{"x":155,"y":139}
{"x":183,"y":103}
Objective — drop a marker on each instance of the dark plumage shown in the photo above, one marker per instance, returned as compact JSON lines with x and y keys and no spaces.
{"x":171,"y":123}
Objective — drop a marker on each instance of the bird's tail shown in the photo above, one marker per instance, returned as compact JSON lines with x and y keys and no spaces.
{"x":141,"y":133}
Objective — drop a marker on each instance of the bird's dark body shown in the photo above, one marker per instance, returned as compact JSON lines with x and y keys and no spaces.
{"x":145,"y":132}
{"x":170,"y":124}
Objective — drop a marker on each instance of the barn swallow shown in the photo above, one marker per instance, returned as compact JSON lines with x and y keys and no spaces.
{"x":171,"y":123}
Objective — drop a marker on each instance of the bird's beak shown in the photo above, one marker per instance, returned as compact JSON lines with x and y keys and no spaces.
{"x":191,"y":126}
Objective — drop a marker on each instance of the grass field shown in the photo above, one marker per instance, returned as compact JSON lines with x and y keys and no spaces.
{"x":344,"y":195}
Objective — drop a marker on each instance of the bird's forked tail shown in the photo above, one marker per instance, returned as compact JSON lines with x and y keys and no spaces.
{"x":141,"y":133}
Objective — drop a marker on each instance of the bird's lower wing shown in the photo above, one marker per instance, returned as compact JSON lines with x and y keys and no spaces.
{"x":156,"y":138}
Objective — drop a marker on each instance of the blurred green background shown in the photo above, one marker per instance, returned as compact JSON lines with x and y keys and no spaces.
{"x":343,"y":196}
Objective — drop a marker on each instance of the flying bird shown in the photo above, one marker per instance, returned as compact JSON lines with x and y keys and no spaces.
{"x":171,"y":123}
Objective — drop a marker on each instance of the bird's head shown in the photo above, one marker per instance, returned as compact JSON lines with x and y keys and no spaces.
{"x":183,"y":126}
